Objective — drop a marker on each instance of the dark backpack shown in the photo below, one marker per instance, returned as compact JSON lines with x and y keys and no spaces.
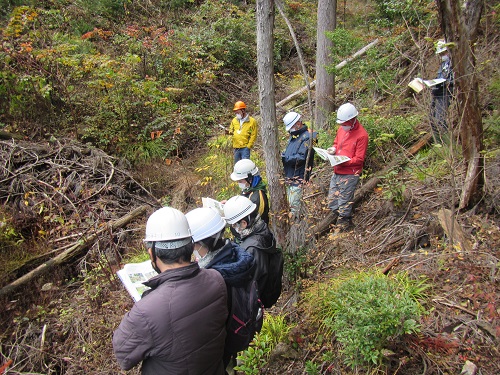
{"x":272,"y":289}
{"x":245,"y":317}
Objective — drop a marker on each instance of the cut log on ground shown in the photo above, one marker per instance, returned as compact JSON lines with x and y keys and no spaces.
{"x":72,"y":252}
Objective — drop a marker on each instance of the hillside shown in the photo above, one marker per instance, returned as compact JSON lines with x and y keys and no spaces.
{"x":114,"y":107}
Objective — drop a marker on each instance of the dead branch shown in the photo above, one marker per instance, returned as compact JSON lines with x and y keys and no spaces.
{"x":72,"y":252}
{"x":311,"y":85}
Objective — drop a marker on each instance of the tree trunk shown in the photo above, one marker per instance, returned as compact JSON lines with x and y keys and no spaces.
{"x":325,"y":88}
{"x":269,"y":127}
{"x":460,"y":24}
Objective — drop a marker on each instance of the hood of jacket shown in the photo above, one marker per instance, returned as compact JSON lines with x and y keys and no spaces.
{"x":234,"y":264}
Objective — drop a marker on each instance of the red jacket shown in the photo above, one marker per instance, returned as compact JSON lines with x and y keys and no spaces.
{"x":353,"y":144}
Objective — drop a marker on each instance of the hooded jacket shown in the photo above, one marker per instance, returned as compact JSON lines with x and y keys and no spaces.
{"x":257,"y":193}
{"x":234,"y":264}
{"x":295,"y":156}
{"x":260,"y":242}
{"x":352,"y":143}
{"x":178,"y":327}
{"x":244,"y":135}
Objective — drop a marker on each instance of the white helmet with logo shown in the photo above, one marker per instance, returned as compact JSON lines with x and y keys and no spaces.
{"x":290,"y":119}
{"x":243,"y":169}
{"x":204,"y":222}
{"x":168,"y":226}
{"x":237,"y":208}
{"x":346,"y":112}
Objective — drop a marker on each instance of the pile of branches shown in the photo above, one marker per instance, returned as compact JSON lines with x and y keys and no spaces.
{"x":61,"y":193}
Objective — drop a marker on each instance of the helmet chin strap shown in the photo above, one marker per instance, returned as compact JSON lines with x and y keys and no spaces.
{"x":153,"y":260}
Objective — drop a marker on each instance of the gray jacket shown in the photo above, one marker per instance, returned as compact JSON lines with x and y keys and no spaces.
{"x":178,"y":327}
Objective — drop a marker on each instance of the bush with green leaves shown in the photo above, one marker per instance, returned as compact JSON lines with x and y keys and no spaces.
{"x":274,"y":330}
{"x":411,"y":11}
{"x":365,"y":310}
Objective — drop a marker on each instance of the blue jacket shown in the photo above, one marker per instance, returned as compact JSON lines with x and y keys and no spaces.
{"x":234,"y":264}
{"x":295,"y":155}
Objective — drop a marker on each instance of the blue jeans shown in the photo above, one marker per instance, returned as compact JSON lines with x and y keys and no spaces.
{"x":341,"y":193}
{"x":241,"y":153}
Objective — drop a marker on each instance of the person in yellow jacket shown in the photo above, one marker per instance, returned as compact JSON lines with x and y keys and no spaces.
{"x":243,"y":128}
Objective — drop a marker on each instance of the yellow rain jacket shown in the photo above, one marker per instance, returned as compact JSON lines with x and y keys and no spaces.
{"x":244,"y":135}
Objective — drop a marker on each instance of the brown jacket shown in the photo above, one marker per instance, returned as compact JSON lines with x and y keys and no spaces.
{"x":178,"y":327}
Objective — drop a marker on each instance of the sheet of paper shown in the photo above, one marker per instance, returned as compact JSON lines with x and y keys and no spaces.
{"x":132,"y":275}
{"x":212,"y":203}
{"x":333,"y":159}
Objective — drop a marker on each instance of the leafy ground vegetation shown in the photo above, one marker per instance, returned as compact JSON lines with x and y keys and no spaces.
{"x":114,"y":107}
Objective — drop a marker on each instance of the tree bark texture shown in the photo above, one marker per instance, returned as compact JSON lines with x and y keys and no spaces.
{"x":460,"y":24}
{"x":269,"y":127}
{"x":325,"y":87}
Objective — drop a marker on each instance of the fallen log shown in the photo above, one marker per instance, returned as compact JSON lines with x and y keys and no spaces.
{"x":340,"y":65}
{"x":325,"y":224}
{"x":72,"y":252}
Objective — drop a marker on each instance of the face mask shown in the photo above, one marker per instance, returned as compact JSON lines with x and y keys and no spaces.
{"x":346,"y":128}
{"x":238,"y":116}
{"x":237,"y":228}
{"x":197,"y":255}
{"x":242,"y":185}
{"x":445,"y":58}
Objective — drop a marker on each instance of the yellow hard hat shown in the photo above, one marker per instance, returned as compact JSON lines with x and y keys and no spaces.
{"x":239,"y":105}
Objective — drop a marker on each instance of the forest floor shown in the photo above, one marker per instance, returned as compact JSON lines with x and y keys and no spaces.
{"x":61,"y":324}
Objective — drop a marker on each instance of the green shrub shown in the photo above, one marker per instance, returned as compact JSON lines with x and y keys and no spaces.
{"x":365,"y":310}
{"x":274,"y":330}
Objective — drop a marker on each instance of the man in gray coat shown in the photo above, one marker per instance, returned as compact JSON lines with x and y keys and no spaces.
{"x":178,"y":326}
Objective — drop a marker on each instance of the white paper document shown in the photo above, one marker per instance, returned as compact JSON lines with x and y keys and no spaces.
{"x":212,"y":203}
{"x":133,"y":275}
{"x":333,"y":159}
{"x":417,"y":84}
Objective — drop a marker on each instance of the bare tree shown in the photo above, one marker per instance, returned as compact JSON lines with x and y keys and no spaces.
{"x":269,"y":127}
{"x":325,"y":87}
{"x":460,"y":23}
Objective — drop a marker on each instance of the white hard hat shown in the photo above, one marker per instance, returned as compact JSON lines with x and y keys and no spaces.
{"x":238,"y":207}
{"x":204,"y":222}
{"x":290,"y":119}
{"x":244,"y":168}
{"x":168,"y":225}
{"x":346,"y":112}
{"x":441,"y":47}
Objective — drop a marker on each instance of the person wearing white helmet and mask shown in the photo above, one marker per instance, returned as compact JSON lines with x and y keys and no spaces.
{"x":294,"y":158}
{"x":163,"y":328}
{"x":441,"y":93}
{"x":351,"y":140}
{"x":213,"y":251}
{"x":252,"y":234}
{"x":246,"y":174}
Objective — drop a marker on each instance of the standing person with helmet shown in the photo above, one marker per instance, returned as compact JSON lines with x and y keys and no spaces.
{"x":252,"y":234}
{"x":243,"y":128}
{"x":163,"y":329}
{"x":246,"y":174}
{"x":213,"y":251}
{"x":352,"y":141}
{"x":441,"y":93}
{"x":294,"y":158}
